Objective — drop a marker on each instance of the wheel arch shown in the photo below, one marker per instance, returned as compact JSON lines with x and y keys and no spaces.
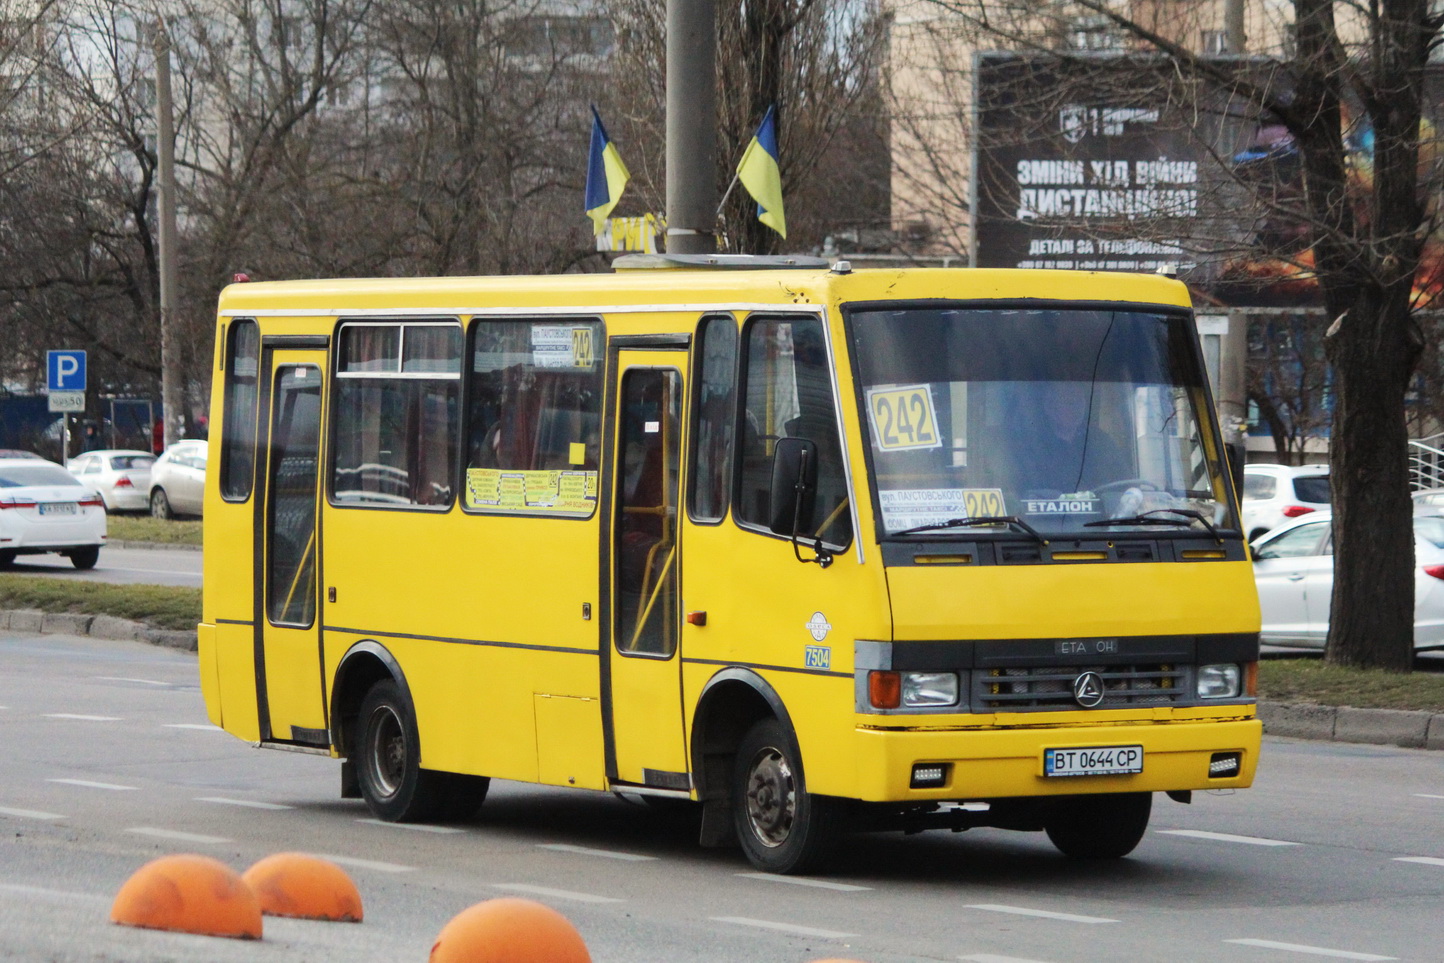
{"x":729,"y":704}
{"x":362,"y":666}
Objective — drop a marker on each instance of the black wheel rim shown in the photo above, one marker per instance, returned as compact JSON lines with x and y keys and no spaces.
{"x":771,"y":797}
{"x":386,"y":758}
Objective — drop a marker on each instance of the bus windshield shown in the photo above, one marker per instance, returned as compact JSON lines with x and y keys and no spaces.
{"x":1085,"y":420}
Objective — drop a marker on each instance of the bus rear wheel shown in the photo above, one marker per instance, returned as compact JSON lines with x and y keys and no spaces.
{"x":782,"y":827}
{"x":388,"y":759}
{"x":1106,"y":826}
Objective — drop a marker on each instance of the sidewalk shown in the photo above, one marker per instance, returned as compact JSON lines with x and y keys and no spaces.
{"x":1379,"y":727}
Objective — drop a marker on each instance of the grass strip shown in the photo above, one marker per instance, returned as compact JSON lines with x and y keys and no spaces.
{"x":143,"y":528}
{"x":1318,"y":682}
{"x":161,"y":606}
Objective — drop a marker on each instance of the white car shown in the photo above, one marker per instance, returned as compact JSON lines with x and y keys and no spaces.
{"x":1294,"y":570}
{"x":1274,"y":494}
{"x":120,"y":477}
{"x":44,"y":508}
{"x":178,"y":480}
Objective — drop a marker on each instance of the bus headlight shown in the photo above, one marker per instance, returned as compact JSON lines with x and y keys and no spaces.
{"x":1218,"y":681}
{"x":929,"y":689}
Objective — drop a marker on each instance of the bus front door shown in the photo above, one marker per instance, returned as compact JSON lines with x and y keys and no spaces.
{"x":642,"y":685}
{"x":288,"y":657}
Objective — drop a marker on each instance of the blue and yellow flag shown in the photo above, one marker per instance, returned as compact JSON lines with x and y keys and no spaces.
{"x":606,"y":175}
{"x":762,"y":177}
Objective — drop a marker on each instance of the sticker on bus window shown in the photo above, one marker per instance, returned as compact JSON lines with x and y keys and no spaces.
{"x":903,"y":418}
{"x":572,"y":493}
{"x":913,"y":507}
{"x":562,"y":346}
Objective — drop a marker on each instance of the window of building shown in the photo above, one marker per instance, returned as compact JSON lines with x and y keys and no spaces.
{"x":398,"y":406}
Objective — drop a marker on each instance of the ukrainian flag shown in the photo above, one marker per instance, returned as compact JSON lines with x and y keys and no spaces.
{"x":762,"y":177}
{"x":606,"y":175}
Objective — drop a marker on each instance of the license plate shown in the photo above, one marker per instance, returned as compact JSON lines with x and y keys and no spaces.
{"x":1093,"y":761}
{"x":58,"y":508}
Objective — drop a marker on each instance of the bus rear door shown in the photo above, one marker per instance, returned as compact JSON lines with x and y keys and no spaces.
{"x":288,"y":656}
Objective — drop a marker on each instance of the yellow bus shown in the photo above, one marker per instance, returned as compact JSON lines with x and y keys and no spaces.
{"x":815,"y":549}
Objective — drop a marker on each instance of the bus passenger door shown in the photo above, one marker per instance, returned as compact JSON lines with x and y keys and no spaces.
{"x":288,"y":657}
{"x":642,"y":679}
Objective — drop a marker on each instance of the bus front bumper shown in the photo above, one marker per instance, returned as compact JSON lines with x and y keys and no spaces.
{"x":983,"y":764}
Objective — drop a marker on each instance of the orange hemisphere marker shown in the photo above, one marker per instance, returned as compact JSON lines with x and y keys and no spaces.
{"x":189,"y":894}
{"x":304,"y":886}
{"x":509,"y":930}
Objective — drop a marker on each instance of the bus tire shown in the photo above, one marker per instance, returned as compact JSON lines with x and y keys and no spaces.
{"x":782,"y":827}
{"x":388,"y":759}
{"x":462,"y":796}
{"x":1106,"y":826}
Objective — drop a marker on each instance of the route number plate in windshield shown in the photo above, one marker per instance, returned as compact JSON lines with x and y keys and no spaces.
{"x":1093,"y":761}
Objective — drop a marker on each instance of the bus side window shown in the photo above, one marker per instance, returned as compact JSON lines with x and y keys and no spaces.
{"x":238,"y":453}
{"x":788,"y":391}
{"x":715,"y":418}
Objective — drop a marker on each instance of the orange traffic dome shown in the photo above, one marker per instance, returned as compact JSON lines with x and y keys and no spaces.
{"x":509,"y":930}
{"x":304,"y":886}
{"x":189,"y":894}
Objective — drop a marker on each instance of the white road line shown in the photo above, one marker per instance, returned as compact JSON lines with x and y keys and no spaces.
{"x":1041,"y":914}
{"x":783,"y":927}
{"x":1426,"y":860}
{"x":206,"y":726}
{"x":1421,"y":795}
{"x":1311,"y":950}
{"x":555,"y":893}
{"x":1225,"y":837}
{"x":994,"y":958}
{"x":88,"y":784}
{"x":120,"y":678}
{"x":176,"y":834}
{"x":604,"y":853}
{"x":28,"y":814}
{"x":414,"y":827}
{"x":83,"y":718}
{"x":378,"y":866}
{"x":248,"y":803}
{"x":800,"y":881}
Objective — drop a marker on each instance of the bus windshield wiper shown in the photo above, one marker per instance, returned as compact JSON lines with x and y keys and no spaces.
{"x":1190,"y":515}
{"x":968,"y":521}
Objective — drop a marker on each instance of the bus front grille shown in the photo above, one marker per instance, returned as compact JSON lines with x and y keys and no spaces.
{"x":1021,"y":688}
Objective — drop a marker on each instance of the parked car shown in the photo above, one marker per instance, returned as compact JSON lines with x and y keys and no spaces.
{"x":120,"y":477}
{"x":178,"y":480}
{"x":44,"y":508}
{"x":1428,"y":501}
{"x":1294,"y":571}
{"x":1273,"y":494}
{"x":17,"y":453}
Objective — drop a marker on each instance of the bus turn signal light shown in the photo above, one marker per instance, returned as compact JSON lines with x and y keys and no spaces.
{"x":884,"y":689}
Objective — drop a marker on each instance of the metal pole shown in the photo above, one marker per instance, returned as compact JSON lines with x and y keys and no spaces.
{"x":691,"y":126}
{"x":170,"y":387}
{"x":1233,"y":28}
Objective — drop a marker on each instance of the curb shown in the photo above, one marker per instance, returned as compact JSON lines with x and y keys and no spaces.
{"x":1379,"y":727}
{"x":121,"y":543}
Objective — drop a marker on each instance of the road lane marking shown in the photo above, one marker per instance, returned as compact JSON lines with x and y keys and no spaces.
{"x":1421,"y":795}
{"x":1426,"y":860}
{"x":121,"y":678}
{"x":1041,"y":914}
{"x":248,"y":803}
{"x":28,"y":813}
{"x":1225,"y":837}
{"x":555,"y":893}
{"x":82,"y":718}
{"x":994,"y":958}
{"x":1312,"y":950}
{"x":801,"y":881}
{"x":604,"y":853}
{"x":88,"y":784}
{"x":414,"y":827}
{"x":378,"y":866}
{"x":206,"y":726}
{"x":783,"y":927}
{"x":176,"y":834}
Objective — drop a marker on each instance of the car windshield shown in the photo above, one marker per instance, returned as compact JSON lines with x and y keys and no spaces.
{"x":1312,"y":488}
{"x":1431,"y":529}
{"x":20,"y":476}
{"x":1072,"y":419}
{"x":128,"y":462}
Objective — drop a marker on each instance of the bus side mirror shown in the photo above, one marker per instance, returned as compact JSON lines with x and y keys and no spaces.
{"x":794,"y":484}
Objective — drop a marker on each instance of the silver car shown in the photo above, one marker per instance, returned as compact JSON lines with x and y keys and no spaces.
{"x":44,"y":508}
{"x":121,"y":477}
{"x":178,"y":480}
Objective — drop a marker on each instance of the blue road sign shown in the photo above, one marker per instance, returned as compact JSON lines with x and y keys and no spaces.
{"x":65,"y":370}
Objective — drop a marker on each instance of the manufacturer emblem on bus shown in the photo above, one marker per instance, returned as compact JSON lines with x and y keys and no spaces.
{"x":819,"y":626}
{"x":1088,"y":689}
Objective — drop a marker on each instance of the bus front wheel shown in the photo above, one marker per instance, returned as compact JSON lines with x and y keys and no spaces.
{"x":782,"y":827}
{"x":388,"y":758}
{"x":1106,"y":826}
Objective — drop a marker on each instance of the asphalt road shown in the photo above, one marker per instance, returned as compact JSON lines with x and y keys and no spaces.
{"x":1337,"y":853}
{"x":126,"y":566}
